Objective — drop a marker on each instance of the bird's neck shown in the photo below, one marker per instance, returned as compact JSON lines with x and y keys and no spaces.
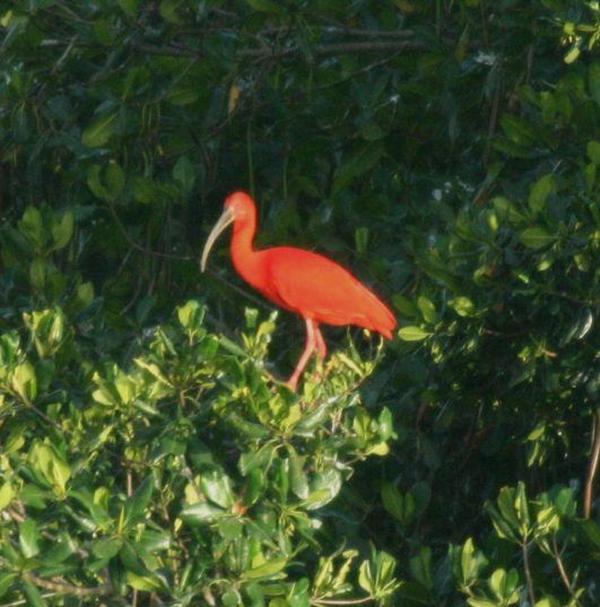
{"x":245,"y":258}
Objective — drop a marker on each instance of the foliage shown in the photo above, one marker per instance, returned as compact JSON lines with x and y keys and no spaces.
{"x":448,"y":152}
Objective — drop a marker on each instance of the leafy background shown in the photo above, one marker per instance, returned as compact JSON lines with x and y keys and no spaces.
{"x":448,"y":152}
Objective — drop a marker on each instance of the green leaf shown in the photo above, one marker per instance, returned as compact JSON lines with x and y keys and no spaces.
{"x":427,"y":309}
{"x":593,"y":152}
{"x":505,"y":529}
{"x":475,"y":602}
{"x":191,"y":315}
{"x":504,"y":585}
{"x":24,"y":381}
{"x":413,"y":333}
{"x":594,"y":81}
{"x":28,"y":537}
{"x":401,"y":507}
{"x":6,"y":495}
{"x":376,"y":576}
{"x":518,"y":130}
{"x":6,"y":581}
{"x":100,"y":131}
{"x":548,"y":601}
{"x":135,"y":508}
{"x":572,"y":54}
{"x":34,"y":597}
{"x":386,"y":424}
{"x":125,"y":386}
{"x":325,"y":487}
{"x":115,"y":179}
{"x":31,"y":226}
{"x":540,"y":191}
{"x":298,"y":478}
{"x":536,"y":238}
{"x":472,"y":562}
{"x":591,"y":531}
{"x":106,"y":548}
{"x":168,"y":11}
{"x":94,"y":183}
{"x":420,"y":567}
{"x":129,"y":7}
{"x":185,"y":173}
{"x":60,"y":551}
{"x":264,"y":6}
{"x":255,"y":486}
{"x":361,"y":240}
{"x":145,"y":190}
{"x":143,"y":582}
{"x":463,"y":306}
{"x":154,"y":370}
{"x":217,"y":488}
{"x":404,"y":305}
{"x":269,"y":570}
{"x":202,"y":513}
{"x":62,"y":230}
{"x":359,"y":163}
{"x":37,"y":273}
{"x":85,"y":293}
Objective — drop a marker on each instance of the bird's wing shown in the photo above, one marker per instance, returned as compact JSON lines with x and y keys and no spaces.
{"x":316,"y":287}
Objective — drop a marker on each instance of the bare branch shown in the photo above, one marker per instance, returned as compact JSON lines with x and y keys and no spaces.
{"x":349,"y":31}
{"x":529,"y":579}
{"x":62,"y":587}
{"x":339,"y":48}
{"x":592,"y":467}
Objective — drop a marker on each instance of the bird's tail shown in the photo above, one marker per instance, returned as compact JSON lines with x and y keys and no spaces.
{"x":381,"y":318}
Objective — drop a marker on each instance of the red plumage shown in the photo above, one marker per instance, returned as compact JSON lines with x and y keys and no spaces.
{"x":320,"y":289}
{"x":317,"y":288}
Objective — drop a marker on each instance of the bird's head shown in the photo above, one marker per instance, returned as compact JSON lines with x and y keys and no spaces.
{"x":239,"y":208}
{"x":240,"y":205}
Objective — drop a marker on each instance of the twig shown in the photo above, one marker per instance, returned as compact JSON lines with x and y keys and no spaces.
{"x":525,"y":549}
{"x":63,"y":587}
{"x":25,"y":601}
{"x":224,"y":13}
{"x":367,"y":599}
{"x":562,"y":570}
{"x":491,"y":130}
{"x":350,"y":31}
{"x":137,"y":245}
{"x":339,"y":48}
{"x":58,"y":65}
{"x":29,"y":405}
{"x":593,"y":466}
{"x":362,"y":70}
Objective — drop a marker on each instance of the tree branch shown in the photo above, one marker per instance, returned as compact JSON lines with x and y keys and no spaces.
{"x":367,"y":599}
{"x":62,"y":587}
{"x":588,"y":497}
{"x":350,"y":31}
{"x":528,"y":578}
{"x":338,"y":48}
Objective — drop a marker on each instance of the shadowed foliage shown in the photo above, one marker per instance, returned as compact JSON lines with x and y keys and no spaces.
{"x":447,"y":152}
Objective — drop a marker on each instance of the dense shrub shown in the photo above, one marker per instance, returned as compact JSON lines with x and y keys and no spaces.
{"x":447,"y":151}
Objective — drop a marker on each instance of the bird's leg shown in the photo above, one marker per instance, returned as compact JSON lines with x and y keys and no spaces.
{"x":321,"y":353}
{"x":311,"y":344}
{"x":321,"y":347}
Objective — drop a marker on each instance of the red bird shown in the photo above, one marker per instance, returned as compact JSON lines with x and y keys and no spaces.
{"x":311,"y":285}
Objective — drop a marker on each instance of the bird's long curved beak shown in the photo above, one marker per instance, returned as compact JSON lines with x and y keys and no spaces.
{"x":226,"y":218}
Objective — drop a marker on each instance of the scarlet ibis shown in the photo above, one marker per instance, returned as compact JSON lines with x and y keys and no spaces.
{"x":317,"y":288}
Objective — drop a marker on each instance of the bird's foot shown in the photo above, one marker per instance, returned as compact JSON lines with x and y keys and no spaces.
{"x":292,"y":383}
